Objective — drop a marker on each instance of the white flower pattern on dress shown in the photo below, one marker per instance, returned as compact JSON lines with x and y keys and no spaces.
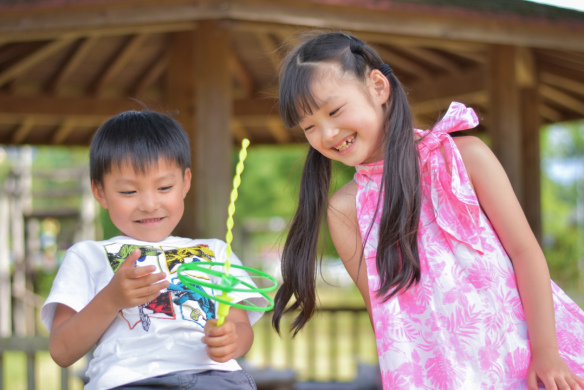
{"x":463,"y":325}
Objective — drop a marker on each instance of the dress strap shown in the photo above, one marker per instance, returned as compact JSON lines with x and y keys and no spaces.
{"x":453,"y":198}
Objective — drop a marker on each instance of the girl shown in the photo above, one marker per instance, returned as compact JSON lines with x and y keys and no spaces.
{"x":456,"y":286}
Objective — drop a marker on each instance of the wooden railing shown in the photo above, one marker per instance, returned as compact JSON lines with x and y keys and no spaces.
{"x":30,"y":346}
{"x":326,"y":350}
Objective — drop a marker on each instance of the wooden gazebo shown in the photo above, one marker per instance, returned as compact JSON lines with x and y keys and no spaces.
{"x":66,"y":66}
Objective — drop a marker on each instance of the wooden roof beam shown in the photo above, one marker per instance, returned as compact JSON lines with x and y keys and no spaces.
{"x":22,"y":131}
{"x":242,"y":75}
{"x":153,"y":72}
{"x":269,"y":48}
{"x":238,"y":130}
{"x":432,"y":57}
{"x":107,"y":107}
{"x":562,"y":82}
{"x":403,"y":63}
{"x":73,"y":62}
{"x":118,"y":63}
{"x":517,"y":31}
{"x":550,"y":114}
{"x":562,"y":98}
{"x":441,"y":104}
{"x":63,"y":131}
{"x":33,"y":59}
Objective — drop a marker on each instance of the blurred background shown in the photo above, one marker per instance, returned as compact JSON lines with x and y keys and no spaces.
{"x":65,"y":67}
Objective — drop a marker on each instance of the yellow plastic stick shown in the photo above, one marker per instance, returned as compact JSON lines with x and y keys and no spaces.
{"x":223,"y":309}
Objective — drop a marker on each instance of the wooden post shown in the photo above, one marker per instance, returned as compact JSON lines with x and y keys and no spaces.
{"x":514,"y":123}
{"x":5,"y":281}
{"x":214,"y":142}
{"x":180,"y":96}
{"x":530,"y":125}
{"x":505,"y":114}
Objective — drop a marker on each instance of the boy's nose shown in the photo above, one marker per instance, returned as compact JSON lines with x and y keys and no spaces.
{"x":148,"y":203}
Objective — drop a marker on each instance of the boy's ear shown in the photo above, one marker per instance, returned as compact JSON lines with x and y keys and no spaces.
{"x":380,"y":85}
{"x":187,"y":181}
{"x":99,"y":194}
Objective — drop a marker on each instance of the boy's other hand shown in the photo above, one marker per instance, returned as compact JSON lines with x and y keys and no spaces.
{"x":134,"y":286}
{"x":221,"y":340}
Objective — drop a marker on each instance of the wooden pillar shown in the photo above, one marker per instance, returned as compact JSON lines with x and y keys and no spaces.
{"x":180,"y":97}
{"x":213,"y":117}
{"x":514,"y":123}
{"x":530,"y":124}
{"x":505,"y":114}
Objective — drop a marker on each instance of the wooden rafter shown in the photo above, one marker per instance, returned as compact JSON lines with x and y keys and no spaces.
{"x":432,"y":57}
{"x":242,"y":75}
{"x":72,"y":62}
{"x":278,"y":130}
{"x":153,"y":71}
{"x":63,"y":131}
{"x":23,"y":130}
{"x":562,"y":98}
{"x":33,"y":59}
{"x":118,"y":62}
{"x":270,"y":49}
{"x":394,"y":59}
{"x":550,"y":114}
{"x":563,"y":82}
{"x":238,"y":131}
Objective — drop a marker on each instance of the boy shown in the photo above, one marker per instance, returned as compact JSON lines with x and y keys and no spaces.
{"x":123,"y":294}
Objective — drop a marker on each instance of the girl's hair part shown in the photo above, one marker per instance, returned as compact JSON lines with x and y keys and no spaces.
{"x":397,"y":260}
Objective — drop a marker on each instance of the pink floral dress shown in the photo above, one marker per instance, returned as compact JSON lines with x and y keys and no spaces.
{"x":463,"y":325}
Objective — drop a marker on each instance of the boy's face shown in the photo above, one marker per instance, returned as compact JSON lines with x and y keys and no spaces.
{"x":145,"y":206}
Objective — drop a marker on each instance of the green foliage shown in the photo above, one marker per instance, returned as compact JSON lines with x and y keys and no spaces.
{"x":563,"y":242}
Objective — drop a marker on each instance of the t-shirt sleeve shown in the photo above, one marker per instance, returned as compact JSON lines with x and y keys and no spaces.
{"x":73,"y":286}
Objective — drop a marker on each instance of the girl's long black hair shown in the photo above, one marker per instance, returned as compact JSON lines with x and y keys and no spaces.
{"x":397,"y":262}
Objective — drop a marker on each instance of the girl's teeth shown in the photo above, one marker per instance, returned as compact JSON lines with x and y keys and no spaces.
{"x":345,"y":144}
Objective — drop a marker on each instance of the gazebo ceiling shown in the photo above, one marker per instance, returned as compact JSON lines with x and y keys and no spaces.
{"x":65,"y":68}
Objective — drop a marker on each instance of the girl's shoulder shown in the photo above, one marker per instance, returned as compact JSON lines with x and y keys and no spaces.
{"x":343,"y":199}
{"x":475,"y":154}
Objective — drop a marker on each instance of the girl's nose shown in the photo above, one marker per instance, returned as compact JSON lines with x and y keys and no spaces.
{"x":330,"y":133}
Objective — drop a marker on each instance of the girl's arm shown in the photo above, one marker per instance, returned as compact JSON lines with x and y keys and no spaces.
{"x":73,"y":333}
{"x":501,"y":206}
{"x":344,"y":231}
{"x":231,"y":340}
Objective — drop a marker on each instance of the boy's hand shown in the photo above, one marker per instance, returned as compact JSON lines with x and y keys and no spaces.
{"x":221,"y":341}
{"x":549,"y":367}
{"x":133,"y":286}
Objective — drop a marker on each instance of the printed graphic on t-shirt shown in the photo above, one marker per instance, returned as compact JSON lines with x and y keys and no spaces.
{"x":191,"y":305}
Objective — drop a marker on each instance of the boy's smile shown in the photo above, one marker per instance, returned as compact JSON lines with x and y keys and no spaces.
{"x":147,"y":205}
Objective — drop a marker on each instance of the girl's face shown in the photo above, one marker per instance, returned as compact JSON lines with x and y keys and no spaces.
{"x":348,"y":124}
{"x":145,"y":206}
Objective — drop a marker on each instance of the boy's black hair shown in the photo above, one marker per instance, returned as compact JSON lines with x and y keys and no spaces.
{"x":138,"y":138}
{"x":397,"y":262}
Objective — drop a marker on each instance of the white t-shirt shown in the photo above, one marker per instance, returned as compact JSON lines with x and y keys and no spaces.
{"x":160,"y":337}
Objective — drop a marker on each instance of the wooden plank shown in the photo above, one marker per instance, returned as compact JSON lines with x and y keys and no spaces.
{"x":33,"y":59}
{"x":395,"y":60}
{"x":278,"y":131}
{"x":24,"y":344}
{"x":433,"y":58}
{"x":214,"y":144}
{"x":242,"y":75}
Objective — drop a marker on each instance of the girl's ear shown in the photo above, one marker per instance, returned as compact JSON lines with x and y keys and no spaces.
{"x":187,"y":176}
{"x":380,"y":86}
{"x":99,"y":194}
